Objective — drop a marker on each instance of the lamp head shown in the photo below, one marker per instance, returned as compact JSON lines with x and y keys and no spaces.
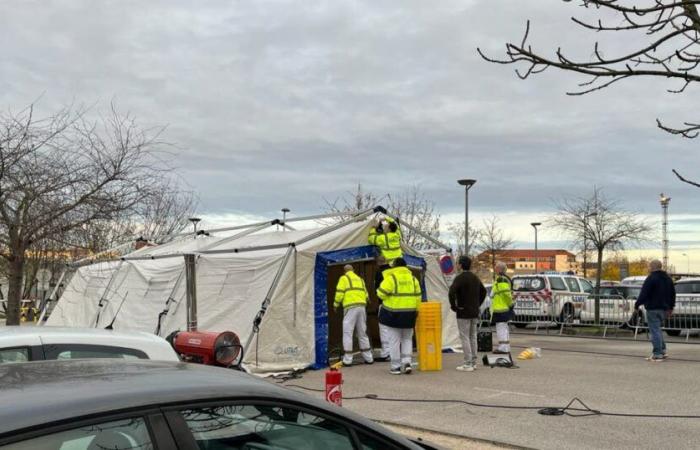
{"x":467,"y":182}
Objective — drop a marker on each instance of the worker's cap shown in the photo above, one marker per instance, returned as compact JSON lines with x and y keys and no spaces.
{"x":400,"y":262}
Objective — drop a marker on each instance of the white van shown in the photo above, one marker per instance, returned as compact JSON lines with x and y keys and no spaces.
{"x":549,"y":297}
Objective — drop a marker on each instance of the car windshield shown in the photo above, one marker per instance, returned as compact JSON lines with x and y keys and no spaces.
{"x":692,"y":287}
{"x":630,"y":291}
{"x":528,"y":283}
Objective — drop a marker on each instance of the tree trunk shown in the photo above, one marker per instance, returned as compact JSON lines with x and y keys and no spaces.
{"x":599,"y":272}
{"x":15,"y":271}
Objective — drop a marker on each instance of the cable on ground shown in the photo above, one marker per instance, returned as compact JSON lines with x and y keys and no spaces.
{"x":575,"y":408}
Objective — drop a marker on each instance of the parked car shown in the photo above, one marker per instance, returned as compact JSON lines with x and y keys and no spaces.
{"x":686,"y":315}
{"x":549,"y":297}
{"x":616,"y":305}
{"x":146,"y":405}
{"x":635,"y":280}
{"x":31,"y":343}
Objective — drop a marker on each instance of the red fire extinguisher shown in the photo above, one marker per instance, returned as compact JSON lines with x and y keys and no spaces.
{"x":334,"y":386}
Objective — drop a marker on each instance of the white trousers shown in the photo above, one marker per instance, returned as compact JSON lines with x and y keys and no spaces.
{"x":384,"y":338}
{"x":355,"y":320}
{"x":503,"y":335}
{"x":400,"y":342}
{"x":467,"y":333}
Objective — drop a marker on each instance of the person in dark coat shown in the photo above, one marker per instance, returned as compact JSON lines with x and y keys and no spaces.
{"x":658,"y":296}
{"x":467,"y":293}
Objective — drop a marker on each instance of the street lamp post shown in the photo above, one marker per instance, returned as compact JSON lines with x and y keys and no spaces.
{"x":687,"y":258}
{"x":664,"y":227}
{"x":284,"y":218}
{"x":195,"y":221}
{"x":585,"y":242}
{"x":467,"y":183}
{"x":535,"y":225}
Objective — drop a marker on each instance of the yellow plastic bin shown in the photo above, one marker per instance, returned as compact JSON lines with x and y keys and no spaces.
{"x":429,"y":336}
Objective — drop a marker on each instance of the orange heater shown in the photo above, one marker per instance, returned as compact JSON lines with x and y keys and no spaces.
{"x":211,"y":348}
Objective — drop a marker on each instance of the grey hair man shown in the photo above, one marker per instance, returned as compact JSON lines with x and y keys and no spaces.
{"x":658,"y":296}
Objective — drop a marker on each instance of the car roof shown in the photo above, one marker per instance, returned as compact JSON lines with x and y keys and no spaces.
{"x":154,"y":346}
{"x":47,"y":331}
{"x":689,"y":280}
{"x":35,"y":394}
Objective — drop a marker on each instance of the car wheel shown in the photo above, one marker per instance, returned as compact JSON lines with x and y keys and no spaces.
{"x":519,"y":325}
{"x":673,"y":332}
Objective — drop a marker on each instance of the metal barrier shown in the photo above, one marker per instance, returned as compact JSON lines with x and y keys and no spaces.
{"x":568,"y":311}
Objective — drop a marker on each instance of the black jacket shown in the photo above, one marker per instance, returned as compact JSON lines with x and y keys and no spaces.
{"x":657,"y":292}
{"x":467,"y":293}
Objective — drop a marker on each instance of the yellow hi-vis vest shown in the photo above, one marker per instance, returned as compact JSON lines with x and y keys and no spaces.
{"x":389,"y":242}
{"x":501,"y":295}
{"x":400,"y":290}
{"x":350,"y":291}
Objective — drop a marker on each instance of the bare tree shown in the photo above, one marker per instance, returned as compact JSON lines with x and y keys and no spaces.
{"x":414,"y":209}
{"x":669,"y":48}
{"x":493,"y":240}
{"x":357,"y":200}
{"x":411,"y":206}
{"x":603,"y":222}
{"x":63,"y":172}
{"x":457,"y":230}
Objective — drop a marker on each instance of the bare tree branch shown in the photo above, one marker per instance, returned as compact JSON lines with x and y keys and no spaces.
{"x":673,"y":52}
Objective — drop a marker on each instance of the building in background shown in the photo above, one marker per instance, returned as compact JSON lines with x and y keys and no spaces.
{"x":523,"y":261}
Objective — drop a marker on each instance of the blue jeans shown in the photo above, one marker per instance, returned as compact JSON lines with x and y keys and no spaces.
{"x":655,"y":318}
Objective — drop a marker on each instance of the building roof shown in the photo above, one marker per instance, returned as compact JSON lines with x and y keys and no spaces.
{"x":528,"y":253}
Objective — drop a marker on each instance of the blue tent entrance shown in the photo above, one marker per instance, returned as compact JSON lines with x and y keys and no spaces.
{"x":323,"y":260}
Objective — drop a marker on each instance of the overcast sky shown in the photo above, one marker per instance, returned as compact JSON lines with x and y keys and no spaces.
{"x":284,"y":104}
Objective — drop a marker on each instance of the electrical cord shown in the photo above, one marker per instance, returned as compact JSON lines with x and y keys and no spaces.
{"x":575,"y":408}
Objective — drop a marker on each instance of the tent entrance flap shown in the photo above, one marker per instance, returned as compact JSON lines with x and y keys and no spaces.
{"x":327,"y":323}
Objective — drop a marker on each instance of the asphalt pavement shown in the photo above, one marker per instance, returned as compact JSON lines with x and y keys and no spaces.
{"x":607,"y":375}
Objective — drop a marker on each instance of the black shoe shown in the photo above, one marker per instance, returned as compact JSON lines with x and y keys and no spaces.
{"x":369,"y":362}
{"x":382,"y":358}
{"x":346,"y":365}
{"x":407,"y":369}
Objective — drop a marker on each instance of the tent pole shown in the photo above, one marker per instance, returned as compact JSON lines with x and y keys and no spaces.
{"x":294,"y":323}
{"x":425,"y":236}
{"x":191,"y":274}
{"x":266,"y":301}
{"x":106,"y":292}
{"x":170,"y":299}
{"x":48,"y":299}
{"x":361,"y":216}
{"x":241,"y":234}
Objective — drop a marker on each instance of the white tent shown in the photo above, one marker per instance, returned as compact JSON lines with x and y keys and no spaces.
{"x":278,"y":276}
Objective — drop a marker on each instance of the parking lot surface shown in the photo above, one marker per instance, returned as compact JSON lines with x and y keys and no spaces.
{"x":608,"y":375}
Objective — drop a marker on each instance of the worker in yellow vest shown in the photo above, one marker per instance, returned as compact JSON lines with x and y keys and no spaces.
{"x":388,"y":238}
{"x":502,"y":307}
{"x":351,"y":295}
{"x":400,"y":293}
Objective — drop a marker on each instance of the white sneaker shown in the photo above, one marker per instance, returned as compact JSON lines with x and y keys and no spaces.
{"x":465,"y":368}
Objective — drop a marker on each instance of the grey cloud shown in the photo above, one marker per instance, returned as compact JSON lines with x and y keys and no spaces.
{"x":275,"y":103}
